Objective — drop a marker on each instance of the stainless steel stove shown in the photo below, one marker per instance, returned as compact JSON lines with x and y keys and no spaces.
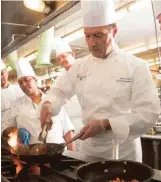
{"x":63,"y":170}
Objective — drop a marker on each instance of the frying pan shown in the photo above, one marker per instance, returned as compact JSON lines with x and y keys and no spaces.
{"x":40,"y":158}
{"x":51,"y":151}
{"x":103,"y":171}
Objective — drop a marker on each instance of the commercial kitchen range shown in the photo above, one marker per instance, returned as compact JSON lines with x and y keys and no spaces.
{"x":62,"y":169}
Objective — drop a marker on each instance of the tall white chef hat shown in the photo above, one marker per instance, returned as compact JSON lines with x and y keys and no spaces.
{"x":62,"y":46}
{"x":24,"y":68}
{"x":157,"y":7}
{"x":3,"y":66}
{"x":98,"y":13}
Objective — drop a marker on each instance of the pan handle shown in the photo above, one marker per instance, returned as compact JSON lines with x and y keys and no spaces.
{"x":115,"y":149}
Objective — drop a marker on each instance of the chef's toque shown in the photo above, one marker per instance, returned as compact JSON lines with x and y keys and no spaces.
{"x":98,"y":13}
{"x":24,"y":68}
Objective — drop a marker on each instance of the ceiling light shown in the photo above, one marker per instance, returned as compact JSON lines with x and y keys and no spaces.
{"x":75,"y":35}
{"x":37,"y":5}
{"x":138,"y":5}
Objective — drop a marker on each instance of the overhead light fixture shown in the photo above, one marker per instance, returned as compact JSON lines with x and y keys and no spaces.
{"x":45,"y":49}
{"x":12,"y":58}
{"x":37,"y":5}
{"x":138,"y":5}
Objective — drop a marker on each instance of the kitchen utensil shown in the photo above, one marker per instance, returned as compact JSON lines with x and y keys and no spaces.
{"x":43,"y":134}
{"x":104,"y":171}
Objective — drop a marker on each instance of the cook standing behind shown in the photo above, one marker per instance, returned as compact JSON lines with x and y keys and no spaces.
{"x":9,"y":92}
{"x":25,"y":115}
{"x":66,"y":58}
{"x":115,"y":89}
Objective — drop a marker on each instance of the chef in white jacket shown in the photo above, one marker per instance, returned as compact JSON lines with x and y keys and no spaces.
{"x":25,"y":114}
{"x":66,"y":58}
{"x":115,"y":90}
{"x":9,"y":92}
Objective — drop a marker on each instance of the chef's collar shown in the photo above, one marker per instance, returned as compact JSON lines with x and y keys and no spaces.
{"x":113,"y":53}
{"x":42,"y":96}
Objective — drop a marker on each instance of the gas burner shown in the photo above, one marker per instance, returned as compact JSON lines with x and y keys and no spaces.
{"x":8,"y":169}
{"x":49,"y":178}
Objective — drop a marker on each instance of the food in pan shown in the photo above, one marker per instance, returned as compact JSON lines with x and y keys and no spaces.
{"x":38,"y":149}
{"x":121,"y":180}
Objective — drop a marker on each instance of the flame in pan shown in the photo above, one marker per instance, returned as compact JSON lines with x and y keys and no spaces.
{"x":12,"y":141}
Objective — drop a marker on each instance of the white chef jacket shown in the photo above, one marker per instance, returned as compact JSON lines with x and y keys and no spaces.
{"x":25,"y":116}
{"x":74,"y":111}
{"x":119,"y":88}
{"x":9,"y":96}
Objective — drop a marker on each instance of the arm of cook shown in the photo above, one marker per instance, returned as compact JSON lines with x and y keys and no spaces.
{"x":145,"y":107}
{"x":62,"y":90}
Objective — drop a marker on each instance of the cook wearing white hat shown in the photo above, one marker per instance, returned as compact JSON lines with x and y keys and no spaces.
{"x":157,"y":10}
{"x":9,"y":92}
{"x":66,"y":58}
{"x":64,"y":54}
{"x":115,"y":90}
{"x":25,"y":118}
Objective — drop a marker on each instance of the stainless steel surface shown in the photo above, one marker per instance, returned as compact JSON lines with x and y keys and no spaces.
{"x":82,"y":157}
{"x":155,"y":136}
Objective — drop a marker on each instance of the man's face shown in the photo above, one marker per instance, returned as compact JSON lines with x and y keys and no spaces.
{"x":159,"y":19}
{"x":4,"y":77}
{"x":98,"y":40}
{"x":28,"y":85}
{"x":66,"y":59}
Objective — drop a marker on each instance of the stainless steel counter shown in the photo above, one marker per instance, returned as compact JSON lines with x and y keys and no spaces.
{"x":155,"y":136}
